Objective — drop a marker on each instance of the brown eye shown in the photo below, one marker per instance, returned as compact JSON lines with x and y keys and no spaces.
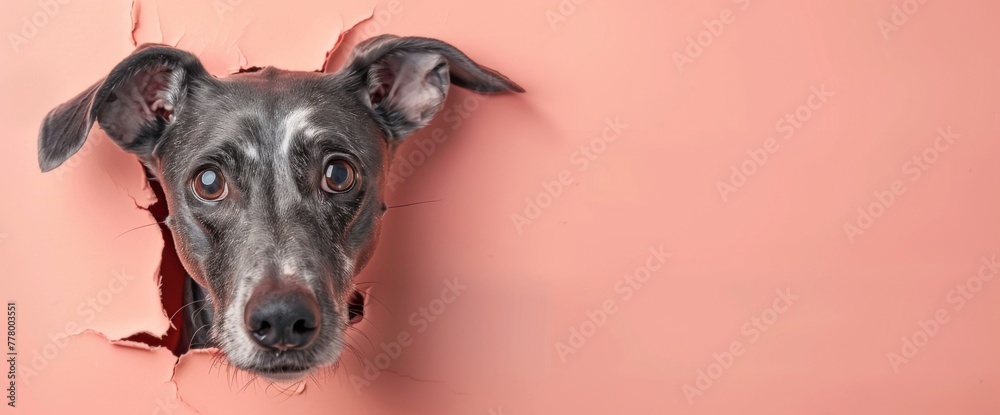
{"x":338,"y":176}
{"x":209,"y":185}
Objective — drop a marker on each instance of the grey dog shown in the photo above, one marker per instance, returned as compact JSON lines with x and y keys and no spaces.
{"x":274,"y":180}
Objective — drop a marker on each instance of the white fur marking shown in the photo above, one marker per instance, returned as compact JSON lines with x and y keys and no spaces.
{"x":296,"y":121}
{"x":348,"y":264}
{"x":251,"y":152}
{"x":289,"y":269}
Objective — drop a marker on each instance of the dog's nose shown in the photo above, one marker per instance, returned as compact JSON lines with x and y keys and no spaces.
{"x":283,"y":318}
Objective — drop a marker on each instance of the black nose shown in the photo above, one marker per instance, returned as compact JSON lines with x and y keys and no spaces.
{"x":283,"y":318}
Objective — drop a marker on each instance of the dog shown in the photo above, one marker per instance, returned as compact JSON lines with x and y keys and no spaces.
{"x":274,"y":180}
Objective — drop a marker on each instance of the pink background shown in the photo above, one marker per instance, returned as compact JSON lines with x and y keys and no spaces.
{"x":897,"y":316}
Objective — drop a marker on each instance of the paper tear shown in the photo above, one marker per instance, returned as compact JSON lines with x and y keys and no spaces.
{"x":326,"y":59}
{"x":336,"y":56}
{"x":133,"y":344}
{"x":234,"y":377}
{"x":77,"y":372}
{"x":135,"y":21}
{"x":176,"y":386}
{"x":180,"y":399}
{"x":241,"y":59}
{"x":229,"y":36}
{"x":171,"y":274}
{"x":340,"y":38}
{"x":144,"y":22}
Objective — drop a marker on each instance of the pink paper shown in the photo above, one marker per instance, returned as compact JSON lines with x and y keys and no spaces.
{"x":697,"y":207}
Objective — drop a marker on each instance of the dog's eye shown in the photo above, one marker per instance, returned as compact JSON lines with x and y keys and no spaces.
{"x":338,"y":176}
{"x":209,"y":185}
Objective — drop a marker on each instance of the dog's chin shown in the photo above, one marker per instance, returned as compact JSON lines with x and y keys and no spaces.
{"x":284,"y":376}
{"x":283,"y":373}
{"x":283,"y":369}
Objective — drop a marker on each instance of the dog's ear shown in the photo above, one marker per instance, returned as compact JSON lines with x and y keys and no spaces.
{"x":133,"y":105}
{"x":404,"y":80}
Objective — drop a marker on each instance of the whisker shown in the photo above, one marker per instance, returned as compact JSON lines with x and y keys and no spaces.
{"x":193,"y":336}
{"x":315,"y":381}
{"x":216,"y":360}
{"x":282,"y":391}
{"x":252,"y":379}
{"x":232,"y":379}
{"x":353,"y":351}
{"x":340,"y":376}
{"x":348,"y":333}
{"x":413,"y":204}
{"x":369,"y":294}
{"x":137,"y":228}
{"x":200,"y":310}
{"x":185,"y":305}
{"x":370,"y":322}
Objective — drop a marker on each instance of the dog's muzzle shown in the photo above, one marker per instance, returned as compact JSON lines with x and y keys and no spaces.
{"x":281,"y":317}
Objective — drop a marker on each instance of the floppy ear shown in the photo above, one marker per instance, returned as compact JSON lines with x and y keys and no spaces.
{"x":134,"y":104}
{"x":404,"y":80}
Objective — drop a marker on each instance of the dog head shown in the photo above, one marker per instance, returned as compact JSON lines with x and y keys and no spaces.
{"x":274,"y":180}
